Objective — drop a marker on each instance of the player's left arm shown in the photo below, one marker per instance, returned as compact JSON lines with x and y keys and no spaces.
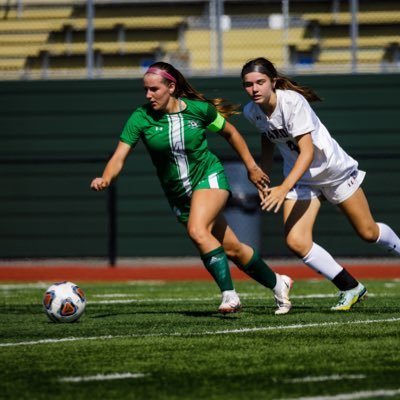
{"x":256,"y":175}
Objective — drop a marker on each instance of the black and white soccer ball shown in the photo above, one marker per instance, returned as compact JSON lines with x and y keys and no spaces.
{"x":64,"y":302}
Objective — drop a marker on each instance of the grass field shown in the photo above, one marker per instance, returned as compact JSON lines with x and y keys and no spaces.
{"x":165,"y":340}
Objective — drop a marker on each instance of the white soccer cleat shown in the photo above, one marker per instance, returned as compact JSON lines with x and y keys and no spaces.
{"x":281,"y":294}
{"x":350,"y":297}
{"x":230,"y":302}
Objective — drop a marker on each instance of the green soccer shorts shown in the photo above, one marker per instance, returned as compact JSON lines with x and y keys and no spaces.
{"x":181,"y":205}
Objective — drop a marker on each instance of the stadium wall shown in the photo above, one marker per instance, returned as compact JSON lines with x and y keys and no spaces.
{"x":57,"y":135}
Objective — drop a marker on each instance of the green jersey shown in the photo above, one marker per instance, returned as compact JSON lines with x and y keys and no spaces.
{"x":177,"y":143}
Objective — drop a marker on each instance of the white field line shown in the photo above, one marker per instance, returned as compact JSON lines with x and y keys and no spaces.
{"x":101,"y":377}
{"x":205,"y":333}
{"x":322,"y":378}
{"x":391,"y":284}
{"x":24,"y":286}
{"x":248,"y":296}
{"x":45,"y":285}
{"x":257,"y":296}
{"x":179,"y":299}
{"x":367,"y":394}
{"x":115,"y":295}
{"x":155,"y":300}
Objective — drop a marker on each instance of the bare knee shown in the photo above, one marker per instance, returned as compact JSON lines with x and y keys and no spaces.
{"x":199,"y":235}
{"x":298,"y":245}
{"x":369,"y":233}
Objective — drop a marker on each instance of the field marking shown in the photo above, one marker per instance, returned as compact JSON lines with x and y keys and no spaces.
{"x":146,"y":282}
{"x":322,"y":378}
{"x":367,"y":394}
{"x":180,"y":299}
{"x":180,"y":334}
{"x":299,"y":326}
{"x":45,"y":285}
{"x":257,"y":296}
{"x":69,"y":339}
{"x":305,"y":296}
{"x":321,"y":296}
{"x":155,"y":300}
{"x":247,"y":296}
{"x":391,"y":284}
{"x":115,"y":295}
{"x":102,"y":377}
{"x":23,"y":286}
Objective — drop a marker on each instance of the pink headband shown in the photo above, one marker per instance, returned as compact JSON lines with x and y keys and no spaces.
{"x":161,"y":72}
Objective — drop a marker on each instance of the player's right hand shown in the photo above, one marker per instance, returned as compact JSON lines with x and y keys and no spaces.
{"x":258,"y":177}
{"x":99,"y":184}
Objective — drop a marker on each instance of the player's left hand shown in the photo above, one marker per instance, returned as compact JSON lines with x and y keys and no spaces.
{"x":273,"y":198}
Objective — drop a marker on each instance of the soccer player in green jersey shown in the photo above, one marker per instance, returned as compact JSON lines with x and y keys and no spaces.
{"x":172,"y":126}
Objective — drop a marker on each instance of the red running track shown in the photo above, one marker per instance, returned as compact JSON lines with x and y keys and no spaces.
{"x":24,"y":273}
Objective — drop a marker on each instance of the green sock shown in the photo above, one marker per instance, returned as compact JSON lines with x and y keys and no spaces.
{"x":257,"y":269}
{"x":217,"y":265}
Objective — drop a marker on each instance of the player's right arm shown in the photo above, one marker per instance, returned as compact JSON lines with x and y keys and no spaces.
{"x":113,"y":167}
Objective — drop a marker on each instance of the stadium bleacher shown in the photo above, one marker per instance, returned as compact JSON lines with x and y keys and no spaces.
{"x":264,"y":42}
{"x":44,"y":35}
{"x":378,"y":34}
{"x":49,"y":35}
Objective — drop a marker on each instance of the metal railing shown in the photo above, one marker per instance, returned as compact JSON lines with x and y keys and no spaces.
{"x":119,"y":38}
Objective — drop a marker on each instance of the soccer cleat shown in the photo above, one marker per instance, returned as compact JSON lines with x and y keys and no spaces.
{"x":281,"y":294}
{"x":350,"y":297}
{"x":230,"y":302}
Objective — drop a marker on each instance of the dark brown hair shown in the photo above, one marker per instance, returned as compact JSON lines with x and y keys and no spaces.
{"x":264,"y":66}
{"x":184,"y":89}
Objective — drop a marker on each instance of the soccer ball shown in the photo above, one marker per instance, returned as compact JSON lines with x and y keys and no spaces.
{"x":64,"y":302}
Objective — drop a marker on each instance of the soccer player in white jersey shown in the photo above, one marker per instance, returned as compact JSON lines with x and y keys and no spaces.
{"x":315,"y":167}
{"x":172,"y":126}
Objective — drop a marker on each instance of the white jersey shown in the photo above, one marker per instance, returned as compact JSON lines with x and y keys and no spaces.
{"x":293,"y":116}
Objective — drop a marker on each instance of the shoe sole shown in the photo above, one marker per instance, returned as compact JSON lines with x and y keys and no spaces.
{"x":361,"y":297}
{"x":283,"y":310}
{"x":230,"y":310}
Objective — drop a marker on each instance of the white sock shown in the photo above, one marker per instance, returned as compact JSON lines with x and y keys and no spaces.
{"x":388,"y":239}
{"x":279,"y":282}
{"x":321,"y":261}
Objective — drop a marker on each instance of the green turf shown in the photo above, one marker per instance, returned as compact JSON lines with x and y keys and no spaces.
{"x":171,"y":334}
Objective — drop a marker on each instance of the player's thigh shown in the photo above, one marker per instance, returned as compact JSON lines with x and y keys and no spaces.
{"x":299,"y":217}
{"x":206,"y":205}
{"x":357,"y":211}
